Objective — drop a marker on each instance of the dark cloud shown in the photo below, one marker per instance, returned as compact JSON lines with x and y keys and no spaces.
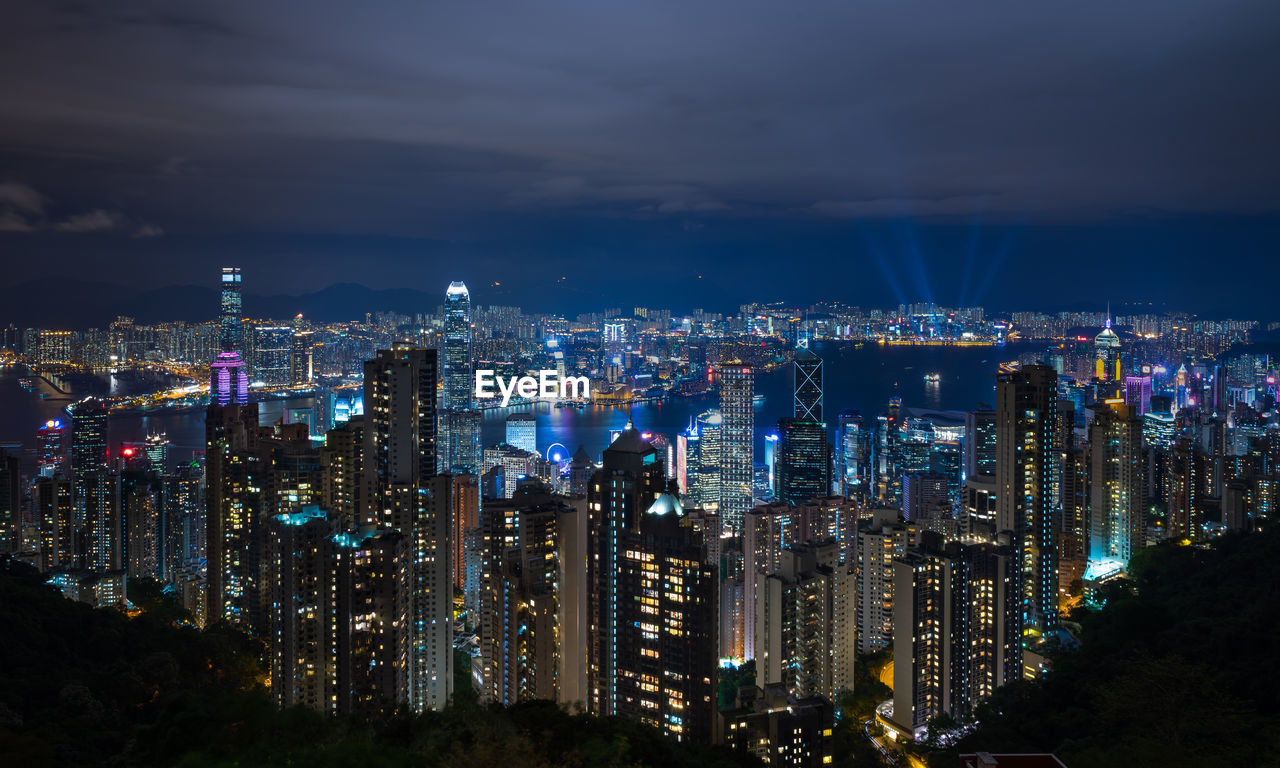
{"x":492,"y":121}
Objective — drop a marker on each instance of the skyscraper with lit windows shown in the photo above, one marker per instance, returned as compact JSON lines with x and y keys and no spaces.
{"x":459,"y":434}
{"x":1028,"y":474}
{"x":667,"y":629}
{"x":231,"y":309}
{"x":407,"y":496}
{"x":737,"y":442}
{"x":1117,"y":479}
{"x":628,"y":483}
{"x":958,"y":612}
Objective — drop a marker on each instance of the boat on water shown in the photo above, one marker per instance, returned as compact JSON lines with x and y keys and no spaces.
{"x":757,"y":399}
{"x":933,"y":378}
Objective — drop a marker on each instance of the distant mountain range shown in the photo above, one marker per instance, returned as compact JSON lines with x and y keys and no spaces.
{"x":49,"y":303}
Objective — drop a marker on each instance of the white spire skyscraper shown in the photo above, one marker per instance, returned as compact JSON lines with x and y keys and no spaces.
{"x":459,"y":422}
{"x":457,"y":346}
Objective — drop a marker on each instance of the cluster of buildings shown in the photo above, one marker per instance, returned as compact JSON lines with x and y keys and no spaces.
{"x":367,"y":550}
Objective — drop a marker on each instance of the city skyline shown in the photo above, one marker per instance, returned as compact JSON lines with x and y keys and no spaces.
{"x":717,"y":385}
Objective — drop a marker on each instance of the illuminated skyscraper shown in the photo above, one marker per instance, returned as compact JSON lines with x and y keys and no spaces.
{"x":231,"y":311}
{"x":1028,"y":472}
{"x":522,"y":431}
{"x":709,"y":444}
{"x":800,"y":637}
{"x":853,"y":454}
{"x":458,"y":386}
{"x":228,"y":382}
{"x":88,"y":456}
{"x":338,"y":614}
{"x":343,"y":491}
{"x":1106,"y":346}
{"x":804,"y":461}
{"x":51,"y":451}
{"x":737,"y":442}
{"x":459,"y":434}
{"x":51,"y":499}
{"x":301,"y":362}
{"x":532,"y":625}
{"x":1137,"y":392}
{"x":407,"y":496}
{"x":157,"y":450}
{"x":808,"y":386}
{"x":628,"y":483}
{"x":960,"y":612}
{"x":666,"y":631}
{"x":980,"y":443}
{"x":1117,"y":509}
{"x":233,"y":509}
{"x":272,"y":347}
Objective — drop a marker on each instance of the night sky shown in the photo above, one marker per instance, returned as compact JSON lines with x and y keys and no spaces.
{"x":1017,"y":154}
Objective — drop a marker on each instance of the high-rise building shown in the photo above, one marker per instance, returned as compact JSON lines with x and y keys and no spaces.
{"x":522,"y":431}
{"x":926,"y":501}
{"x":344,"y":492}
{"x":10,"y":502}
{"x":705,"y":480}
{"x":878,"y":546}
{"x":301,"y":359}
{"x":233,"y":512}
{"x":807,"y":370}
{"x":780,"y":729}
{"x":737,"y":442}
{"x":581,"y":467}
{"x":1106,"y":346}
{"x":980,"y":443}
{"x":103,"y":531}
{"x":800,"y":638}
{"x":1184,"y":508}
{"x":853,"y":455}
{"x":156,"y":447}
{"x":142,"y":516}
{"x":228,"y":381}
{"x":629,"y":481}
{"x":770,"y":529}
{"x":338,"y":614}
{"x":230,"y":311}
{"x":464,"y":518}
{"x":804,"y":461}
{"x":516,"y":465}
{"x":88,"y":446}
{"x":50,"y":448}
{"x":533,"y":598}
{"x":1073,"y":530}
{"x":407,"y":496}
{"x":1028,"y":474}
{"x":1137,"y":392}
{"x":459,"y":441}
{"x":272,"y":354}
{"x":51,"y":499}
{"x":959,"y":619}
{"x":1117,"y":481}
{"x":666,"y":630}
{"x":458,"y":386}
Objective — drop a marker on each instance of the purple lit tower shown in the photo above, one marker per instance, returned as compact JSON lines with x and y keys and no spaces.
{"x":228,"y":384}
{"x":1137,"y":391}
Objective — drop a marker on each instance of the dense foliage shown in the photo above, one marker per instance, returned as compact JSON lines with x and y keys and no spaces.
{"x":89,"y":687}
{"x":1180,"y":668}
